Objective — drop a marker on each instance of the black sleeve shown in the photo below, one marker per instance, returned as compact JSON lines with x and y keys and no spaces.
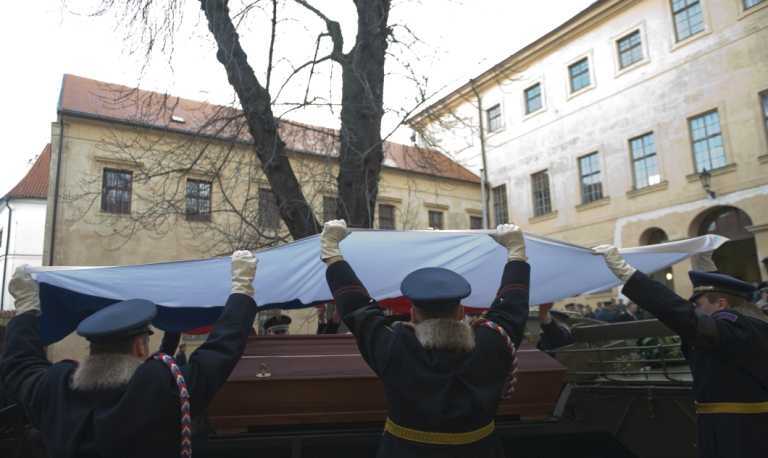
{"x":510,"y":309}
{"x":705,"y":332}
{"x":554,"y":335}
{"x":362,"y":315}
{"x":210,"y":365}
{"x":170,"y":342}
{"x":24,"y":366}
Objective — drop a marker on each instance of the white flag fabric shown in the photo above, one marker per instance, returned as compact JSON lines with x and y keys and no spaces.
{"x":293,"y":276}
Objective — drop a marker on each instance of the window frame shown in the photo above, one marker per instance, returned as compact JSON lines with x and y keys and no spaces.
{"x":582,"y":176}
{"x":693,"y":141}
{"x":394,"y":216}
{"x":275,"y":223}
{"x":704,"y":22}
{"x":441,"y":214}
{"x":527,"y":113}
{"x":633,"y":161}
{"x":497,"y":207}
{"x":536,"y":209}
{"x":620,"y":54}
{"x":587,"y":72}
{"x":198,"y":216}
{"x":744,"y":7}
{"x":499,"y":118}
{"x":105,"y":189}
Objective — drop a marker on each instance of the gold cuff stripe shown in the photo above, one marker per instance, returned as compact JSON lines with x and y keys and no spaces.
{"x":427,"y":437}
{"x":732,"y":407}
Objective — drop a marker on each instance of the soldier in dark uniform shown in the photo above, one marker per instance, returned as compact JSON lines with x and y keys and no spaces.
{"x":443,"y":378}
{"x":278,"y":325}
{"x":725,"y":340}
{"x":553,"y":334}
{"x":118,"y":403}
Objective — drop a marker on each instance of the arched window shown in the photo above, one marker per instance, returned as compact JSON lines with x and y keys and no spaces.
{"x":738,"y":256}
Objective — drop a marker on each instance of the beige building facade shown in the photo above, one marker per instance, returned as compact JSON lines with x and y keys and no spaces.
{"x":635,"y":122}
{"x":137,"y":177}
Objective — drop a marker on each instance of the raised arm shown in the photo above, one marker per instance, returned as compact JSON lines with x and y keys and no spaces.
{"x":510,"y":309}
{"x":359,"y":311}
{"x":23,"y":365}
{"x":706,"y":332}
{"x":211,"y":364}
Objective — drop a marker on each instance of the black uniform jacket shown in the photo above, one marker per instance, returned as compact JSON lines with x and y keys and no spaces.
{"x":139,"y":419}
{"x":436,"y":390}
{"x":728,"y":355}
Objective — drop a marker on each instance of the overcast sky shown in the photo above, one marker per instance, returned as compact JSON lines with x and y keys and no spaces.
{"x":43,"y":39}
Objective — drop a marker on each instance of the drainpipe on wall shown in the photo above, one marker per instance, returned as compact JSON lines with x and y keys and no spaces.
{"x":5,"y":259}
{"x":484,"y":171}
{"x":56,"y":191}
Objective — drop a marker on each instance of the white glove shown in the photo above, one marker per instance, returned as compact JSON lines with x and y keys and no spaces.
{"x":24,"y":291}
{"x":334,"y":232}
{"x":243,"y":272}
{"x":511,"y":237}
{"x":615,"y":262}
{"x":702,"y":262}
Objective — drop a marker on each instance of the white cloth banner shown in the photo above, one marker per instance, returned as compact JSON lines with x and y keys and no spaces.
{"x":381,"y":259}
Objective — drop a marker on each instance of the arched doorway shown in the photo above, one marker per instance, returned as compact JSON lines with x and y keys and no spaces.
{"x":737,"y":257}
{"x":653,"y":236}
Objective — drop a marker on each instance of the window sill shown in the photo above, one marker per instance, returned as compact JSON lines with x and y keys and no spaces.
{"x":661,"y":186}
{"x":528,"y":116}
{"x":631,"y":67}
{"x":744,"y":13}
{"x":693,"y":177}
{"x":763,"y":159}
{"x":580,"y":91}
{"x":544,"y":217}
{"x":594,"y":204}
{"x":106,"y":213}
{"x":197,"y":220}
{"x":688,"y":40}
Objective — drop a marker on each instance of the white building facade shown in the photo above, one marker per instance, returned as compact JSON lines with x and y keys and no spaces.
{"x":22,"y":223}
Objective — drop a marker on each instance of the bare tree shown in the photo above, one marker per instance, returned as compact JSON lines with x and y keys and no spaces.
{"x":360,"y":151}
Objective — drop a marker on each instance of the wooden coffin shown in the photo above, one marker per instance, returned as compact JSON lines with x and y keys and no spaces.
{"x":322,"y":379}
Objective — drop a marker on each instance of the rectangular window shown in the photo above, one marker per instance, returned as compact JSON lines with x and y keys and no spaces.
{"x":269,"y":214}
{"x":493,"y":118}
{"x":329,"y":208}
{"x":579,"y":73}
{"x":688,"y":17}
{"x":116,"y":191}
{"x":707,"y":141}
{"x":630,"y":49}
{"x":750,"y":3}
{"x":475,"y":222}
{"x":533,"y":98}
{"x":591,"y":184}
{"x":542,"y":203}
{"x":500,"y":210}
{"x":644,"y":164}
{"x":386,"y":216}
{"x":436,"y":219}
{"x":198,"y":200}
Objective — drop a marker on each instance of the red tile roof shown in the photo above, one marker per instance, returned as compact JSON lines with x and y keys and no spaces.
{"x":111,"y":102}
{"x":34,"y":185}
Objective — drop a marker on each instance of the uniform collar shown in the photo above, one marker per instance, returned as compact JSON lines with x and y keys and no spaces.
{"x":445,"y":334}
{"x":105,"y":371}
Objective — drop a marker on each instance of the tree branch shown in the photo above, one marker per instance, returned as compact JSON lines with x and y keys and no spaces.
{"x":334,"y":31}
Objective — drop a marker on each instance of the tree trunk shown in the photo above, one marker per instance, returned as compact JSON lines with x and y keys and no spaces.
{"x":262,"y":125}
{"x":361,"y":153}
